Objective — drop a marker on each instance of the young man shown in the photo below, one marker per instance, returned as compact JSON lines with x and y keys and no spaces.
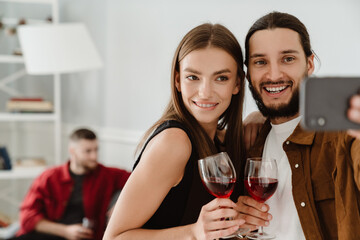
{"x":318,"y":192}
{"x":64,"y":201}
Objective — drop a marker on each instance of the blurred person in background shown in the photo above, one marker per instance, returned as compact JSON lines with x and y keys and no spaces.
{"x":71,"y":201}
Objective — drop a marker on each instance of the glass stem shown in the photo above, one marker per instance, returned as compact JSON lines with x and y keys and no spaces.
{"x":260,"y":230}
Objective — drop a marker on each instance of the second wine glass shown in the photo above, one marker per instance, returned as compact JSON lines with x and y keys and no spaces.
{"x":261,"y":183}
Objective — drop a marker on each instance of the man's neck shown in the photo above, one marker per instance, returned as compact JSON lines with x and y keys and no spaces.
{"x":78,"y":170}
{"x":281,"y":120}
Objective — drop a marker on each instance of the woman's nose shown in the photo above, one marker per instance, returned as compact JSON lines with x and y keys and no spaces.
{"x":205,"y":89}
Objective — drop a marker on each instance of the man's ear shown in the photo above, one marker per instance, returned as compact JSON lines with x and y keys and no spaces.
{"x":177,"y":81}
{"x":71,"y":150}
{"x":310,"y":64}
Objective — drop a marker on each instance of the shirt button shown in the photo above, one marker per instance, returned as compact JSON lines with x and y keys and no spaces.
{"x":287,"y":142}
{"x":296,"y":165}
{"x":302,"y":204}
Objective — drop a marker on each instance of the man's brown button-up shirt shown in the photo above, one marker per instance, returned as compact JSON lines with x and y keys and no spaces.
{"x":325,"y":181}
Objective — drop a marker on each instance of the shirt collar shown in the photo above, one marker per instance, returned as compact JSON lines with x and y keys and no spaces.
{"x":65,"y":174}
{"x":299,"y":136}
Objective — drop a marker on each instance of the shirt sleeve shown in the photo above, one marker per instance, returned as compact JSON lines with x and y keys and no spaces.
{"x":32,"y":208}
{"x":355,"y":156}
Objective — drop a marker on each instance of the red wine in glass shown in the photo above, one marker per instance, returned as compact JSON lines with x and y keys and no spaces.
{"x":261,"y":183}
{"x":220,"y":187}
{"x":261,"y":188}
{"x":218,"y":176}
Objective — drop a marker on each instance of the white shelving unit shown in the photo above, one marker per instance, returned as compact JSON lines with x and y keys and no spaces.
{"x":54,"y":117}
{"x":31,"y":117}
{"x":21,"y":173}
{"x":30,"y":1}
{"x":11,"y":58}
{"x":14,"y":182}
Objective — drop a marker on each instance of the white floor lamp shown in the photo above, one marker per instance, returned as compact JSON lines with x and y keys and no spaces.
{"x":55,"y":49}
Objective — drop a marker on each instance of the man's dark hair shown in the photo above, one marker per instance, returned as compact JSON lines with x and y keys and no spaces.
{"x":82,"y":133}
{"x":279,"y":20}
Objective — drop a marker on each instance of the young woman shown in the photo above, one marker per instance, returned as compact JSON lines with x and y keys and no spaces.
{"x":164,"y":197}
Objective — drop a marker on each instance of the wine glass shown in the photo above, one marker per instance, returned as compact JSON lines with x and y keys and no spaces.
{"x":219,"y":177}
{"x":88,"y":223}
{"x":261,"y":183}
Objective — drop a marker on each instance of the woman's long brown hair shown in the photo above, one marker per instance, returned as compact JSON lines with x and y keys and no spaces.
{"x":200,"y":37}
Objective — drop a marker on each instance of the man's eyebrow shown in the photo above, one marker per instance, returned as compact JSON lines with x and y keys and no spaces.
{"x":255,"y":55}
{"x":289,"y":51}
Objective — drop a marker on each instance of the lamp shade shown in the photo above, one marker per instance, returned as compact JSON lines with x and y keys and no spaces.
{"x":58,"y":48}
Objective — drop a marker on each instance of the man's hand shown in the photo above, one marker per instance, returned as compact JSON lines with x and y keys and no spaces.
{"x":78,"y":232}
{"x":253,"y":212}
{"x":252,"y":125}
{"x":354,"y":114}
{"x":70,"y":232}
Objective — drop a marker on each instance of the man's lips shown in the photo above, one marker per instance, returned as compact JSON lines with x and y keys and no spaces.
{"x":275,"y":90}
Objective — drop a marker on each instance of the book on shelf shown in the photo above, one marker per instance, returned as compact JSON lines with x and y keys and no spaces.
{"x":27,"y":99}
{"x":5,"y":162}
{"x":30,"y":162}
{"x":4,"y":220}
{"x":28,"y":104}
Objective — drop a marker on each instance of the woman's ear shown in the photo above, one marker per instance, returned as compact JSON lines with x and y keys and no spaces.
{"x":177,"y":81}
{"x":237,"y":86}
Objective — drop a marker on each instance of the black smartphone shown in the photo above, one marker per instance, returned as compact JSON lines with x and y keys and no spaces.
{"x":324,"y":102}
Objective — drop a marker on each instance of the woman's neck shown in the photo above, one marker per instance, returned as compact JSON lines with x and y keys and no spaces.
{"x":210,"y":129}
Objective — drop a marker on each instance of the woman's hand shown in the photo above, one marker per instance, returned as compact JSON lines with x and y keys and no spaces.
{"x":354,"y":114}
{"x":253,"y":212}
{"x":252,"y":125}
{"x":211,"y":223}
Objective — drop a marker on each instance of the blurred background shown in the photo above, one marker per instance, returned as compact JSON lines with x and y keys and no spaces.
{"x":136,"y":40}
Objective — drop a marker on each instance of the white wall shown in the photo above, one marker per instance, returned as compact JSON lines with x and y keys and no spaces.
{"x":137,"y":39}
{"x":83,"y":93}
{"x":141,"y":37}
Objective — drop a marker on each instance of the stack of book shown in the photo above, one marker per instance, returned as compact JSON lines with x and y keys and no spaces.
{"x":29,"y":105}
{"x":5,"y":162}
{"x":30,"y":162}
{"x":4,"y":220}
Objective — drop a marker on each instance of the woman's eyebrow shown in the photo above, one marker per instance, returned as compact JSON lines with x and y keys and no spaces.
{"x":222,"y":71}
{"x":191,"y":70}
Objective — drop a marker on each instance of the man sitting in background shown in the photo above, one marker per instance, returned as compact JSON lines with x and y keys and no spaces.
{"x":70,"y":201}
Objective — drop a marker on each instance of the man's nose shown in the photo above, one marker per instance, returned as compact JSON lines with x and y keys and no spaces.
{"x":94,"y":155}
{"x":274,"y":72}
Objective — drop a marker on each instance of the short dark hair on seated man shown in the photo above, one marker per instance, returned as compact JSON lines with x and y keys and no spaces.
{"x":82,"y":133}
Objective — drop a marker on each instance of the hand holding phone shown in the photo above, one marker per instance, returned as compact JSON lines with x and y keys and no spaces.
{"x":354,"y":110}
{"x":354,"y":114}
{"x":325,"y":102}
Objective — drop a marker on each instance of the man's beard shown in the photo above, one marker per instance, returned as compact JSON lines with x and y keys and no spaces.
{"x":283,"y":110}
